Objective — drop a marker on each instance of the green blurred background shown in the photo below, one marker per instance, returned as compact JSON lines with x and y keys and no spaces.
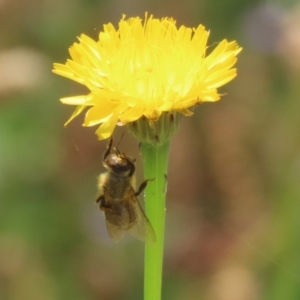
{"x":233,"y":225}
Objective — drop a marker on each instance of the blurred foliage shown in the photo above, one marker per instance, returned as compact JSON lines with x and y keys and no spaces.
{"x":233,"y":230}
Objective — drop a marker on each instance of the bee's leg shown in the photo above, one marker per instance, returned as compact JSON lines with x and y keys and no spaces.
{"x":132,"y":170}
{"x":108,"y":148}
{"x":100,"y":199}
{"x":142,"y":187}
{"x":102,"y":204}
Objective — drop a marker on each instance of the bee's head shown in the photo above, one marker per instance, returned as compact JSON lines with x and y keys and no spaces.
{"x":119,"y":164}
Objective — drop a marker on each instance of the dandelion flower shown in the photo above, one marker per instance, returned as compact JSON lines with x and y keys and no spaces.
{"x":144,"y":69}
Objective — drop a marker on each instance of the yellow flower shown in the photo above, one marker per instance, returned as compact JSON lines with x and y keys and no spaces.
{"x":145,"y":69}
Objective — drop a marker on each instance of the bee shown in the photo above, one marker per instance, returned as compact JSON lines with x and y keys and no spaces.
{"x":118,"y":198}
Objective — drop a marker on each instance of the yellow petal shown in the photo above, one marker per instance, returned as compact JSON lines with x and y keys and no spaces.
{"x":99,"y":113}
{"x":131,"y":115}
{"x":77,"y":100}
{"x":106,"y":129}
{"x":76,"y":112}
{"x":221,"y":79}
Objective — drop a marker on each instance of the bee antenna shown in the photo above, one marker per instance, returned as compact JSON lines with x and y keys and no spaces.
{"x":120,"y":139}
{"x":108,"y":148}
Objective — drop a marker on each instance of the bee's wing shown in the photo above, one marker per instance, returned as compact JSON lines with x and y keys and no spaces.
{"x":115,"y":232}
{"x":117,"y":220}
{"x":142,"y":229}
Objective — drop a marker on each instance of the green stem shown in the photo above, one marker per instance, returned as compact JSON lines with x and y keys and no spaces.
{"x":155,"y":166}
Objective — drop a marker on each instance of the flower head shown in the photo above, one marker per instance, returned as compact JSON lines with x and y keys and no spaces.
{"x":145,"y":68}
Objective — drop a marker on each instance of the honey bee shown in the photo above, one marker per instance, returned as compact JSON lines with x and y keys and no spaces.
{"x":118,"y":198}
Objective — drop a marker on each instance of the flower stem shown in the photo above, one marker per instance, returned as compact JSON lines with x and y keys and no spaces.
{"x":155,"y":166}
